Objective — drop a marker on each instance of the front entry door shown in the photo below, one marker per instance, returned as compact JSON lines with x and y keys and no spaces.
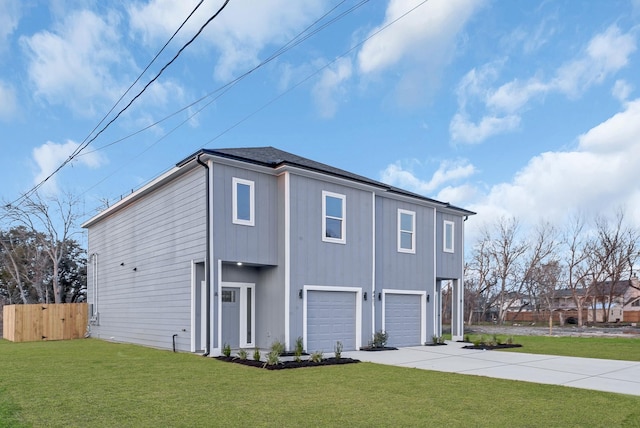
{"x":238,"y":315}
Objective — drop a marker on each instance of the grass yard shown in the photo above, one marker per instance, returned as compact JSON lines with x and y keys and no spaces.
{"x":610,"y":348}
{"x":94,"y":383}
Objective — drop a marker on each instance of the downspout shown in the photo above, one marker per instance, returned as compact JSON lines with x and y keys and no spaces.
{"x":207,"y":265}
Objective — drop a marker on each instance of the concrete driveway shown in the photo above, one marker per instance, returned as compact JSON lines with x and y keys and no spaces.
{"x":589,"y":373}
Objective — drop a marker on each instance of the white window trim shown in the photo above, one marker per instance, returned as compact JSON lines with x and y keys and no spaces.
{"x":453,"y":237}
{"x":251,"y":184}
{"x":343,"y":234}
{"x":411,"y":250}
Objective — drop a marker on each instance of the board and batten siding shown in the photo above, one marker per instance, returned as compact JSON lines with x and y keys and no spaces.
{"x":397,"y":270}
{"x":449,"y":265}
{"x":158,"y":235}
{"x":315,"y":262}
{"x":250,"y":244}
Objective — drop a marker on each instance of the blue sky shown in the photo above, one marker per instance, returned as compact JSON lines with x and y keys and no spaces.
{"x":530,"y":109}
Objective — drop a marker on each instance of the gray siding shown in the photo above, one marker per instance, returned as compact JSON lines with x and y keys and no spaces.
{"x":449,"y":265}
{"x":315,"y":262}
{"x":158,"y":235}
{"x":250,"y":244}
{"x":398,"y":270}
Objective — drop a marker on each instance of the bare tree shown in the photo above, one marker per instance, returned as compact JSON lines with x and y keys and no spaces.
{"x":52,"y":221}
{"x":575,"y":257}
{"x":479,"y":279}
{"x":614,"y":251}
{"x":506,"y":251}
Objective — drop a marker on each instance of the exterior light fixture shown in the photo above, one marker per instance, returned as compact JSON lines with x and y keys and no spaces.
{"x":365,"y":295}
{"x":300,"y":293}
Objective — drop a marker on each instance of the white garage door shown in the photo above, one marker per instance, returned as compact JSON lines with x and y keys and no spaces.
{"x":331,"y":317}
{"x":403,"y":318}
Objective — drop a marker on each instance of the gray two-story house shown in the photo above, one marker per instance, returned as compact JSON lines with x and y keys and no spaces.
{"x":248,"y":246}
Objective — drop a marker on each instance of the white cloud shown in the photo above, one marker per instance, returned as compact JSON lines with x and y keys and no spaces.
{"x":402,"y":175}
{"x":9,"y":17}
{"x":428,"y":32}
{"x":73,"y":64}
{"x":422,"y":43}
{"x":604,"y":55}
{"x":330,"y":87}
{"x":621,"y":90}
{"x":465,"y":131}
{"x":240,"y":32}
{"x":50,"y":156}
{"x":8,"y":101}
{"x":598,"y":176}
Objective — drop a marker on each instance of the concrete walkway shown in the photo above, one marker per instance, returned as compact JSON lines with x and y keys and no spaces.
{"x":588,"y":373}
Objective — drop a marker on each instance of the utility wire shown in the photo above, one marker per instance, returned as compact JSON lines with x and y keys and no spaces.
{"x":89,"y":141}
{"x":270,"y":102}
{"x":225,"y":88}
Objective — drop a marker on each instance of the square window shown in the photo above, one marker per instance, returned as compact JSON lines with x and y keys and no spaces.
{"x":243,"y":202}
{"x":333,"y":217}
{"x":448,"y":237}
{"x":406,"y":231}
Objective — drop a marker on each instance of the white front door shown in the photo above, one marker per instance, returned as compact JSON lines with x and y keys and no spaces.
{"x":238,"y":314}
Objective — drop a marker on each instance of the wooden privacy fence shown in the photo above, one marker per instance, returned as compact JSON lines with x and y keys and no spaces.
{"x":29,"y":323}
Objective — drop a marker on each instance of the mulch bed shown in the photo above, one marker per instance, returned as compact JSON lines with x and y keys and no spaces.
{"x":491,"y":347}
{"x":434,"y":344}
{"x":378,"y":348}
{"x":289,"y":364}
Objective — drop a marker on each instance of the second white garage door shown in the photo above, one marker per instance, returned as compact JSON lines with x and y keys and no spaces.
{"x":331,"y":317}
{"x":403,"y":315}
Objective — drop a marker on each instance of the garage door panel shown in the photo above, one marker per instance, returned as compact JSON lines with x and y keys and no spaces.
{"x":403,"y":317}
{"x":331,"y":316}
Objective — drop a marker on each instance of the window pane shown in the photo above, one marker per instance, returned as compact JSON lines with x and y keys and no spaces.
{"x":334,"y":228}
{"x":405,"y":240}
{"x":243,"y":198}
{"x":448,"y":237}
{"x":406,"y":222}
{"x":333,"y":206}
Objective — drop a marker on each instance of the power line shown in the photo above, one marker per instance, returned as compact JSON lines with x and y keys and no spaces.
{"x":267,"y":104}
{"x":89,"y":141}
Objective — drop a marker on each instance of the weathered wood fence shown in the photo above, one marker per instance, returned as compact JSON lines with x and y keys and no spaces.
{"x":29,"y":323}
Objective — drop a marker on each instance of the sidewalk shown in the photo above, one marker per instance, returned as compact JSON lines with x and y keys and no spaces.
{"x":588,"y":373}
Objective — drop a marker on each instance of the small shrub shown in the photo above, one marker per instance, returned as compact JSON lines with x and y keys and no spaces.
{"x":434,"y":339}
{"x":278,"y":347}
{"x":299,"y":349}
{"x":226,"y":350}
{"x":380,"y":339}
{"x":466,"y":338}
{"x":256,"y":355}
{"x":510,"y":340}
{"x":338,"y":350}
{"x":441,"y":340}
{"x":242,"y":354}
{"x":477,"y":341}
{"x":498,"y":340}
{"x":273,"y":358}
{"x":316,"y":357}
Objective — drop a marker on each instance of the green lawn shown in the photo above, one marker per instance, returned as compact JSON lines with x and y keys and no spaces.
{"x":610,"y":348}
{"x":94,"y":383}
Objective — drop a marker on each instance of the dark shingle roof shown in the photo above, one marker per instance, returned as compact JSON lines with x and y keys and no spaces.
{"x":273,"y":158}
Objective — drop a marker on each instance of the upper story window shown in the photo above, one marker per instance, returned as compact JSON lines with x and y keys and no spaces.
{"x":243,"y":202}
{"x":448,"y":236}
{"x":636,"y":303}
{"x":406,"y":231}
{"x":333,"y":217}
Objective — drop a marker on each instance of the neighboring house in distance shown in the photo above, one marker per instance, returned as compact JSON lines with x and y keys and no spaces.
{"x":248,"y":246}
